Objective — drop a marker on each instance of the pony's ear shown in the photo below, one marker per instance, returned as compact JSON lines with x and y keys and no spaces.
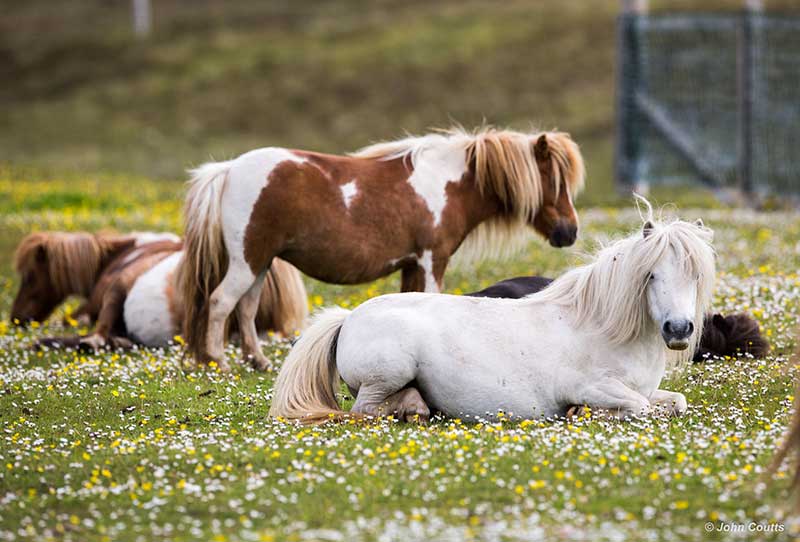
{"x":720,"y":323}
{"x":647,"y":229}
{"x":699,"y":223}
{"x":542,"y":147}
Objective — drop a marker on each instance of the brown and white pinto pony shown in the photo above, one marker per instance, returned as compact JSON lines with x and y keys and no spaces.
{"x":130,"y":280}
{"x":56,"y":265}
{"x":404,"y":205}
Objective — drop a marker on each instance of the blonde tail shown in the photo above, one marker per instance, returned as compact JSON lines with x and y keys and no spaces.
{"x":205,"y":258}
{"x":306,"y":386}
{"x":284,"y":303}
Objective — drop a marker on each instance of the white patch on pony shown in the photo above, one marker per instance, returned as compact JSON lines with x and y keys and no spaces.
{"x":426,"y":263}
{"x":437,"y":160}
{"x":146,"y":311}
{"x":434,"y":168}
{"x":145,"y":237}
{"x":349,"y":191}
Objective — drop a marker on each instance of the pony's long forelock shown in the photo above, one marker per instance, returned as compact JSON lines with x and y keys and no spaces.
{"x":609,"y":293}
{"x":73,"y":259}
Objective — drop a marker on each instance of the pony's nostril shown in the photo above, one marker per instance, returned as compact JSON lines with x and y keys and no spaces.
{"x":690,"y":328}
{"x":668,"y":327}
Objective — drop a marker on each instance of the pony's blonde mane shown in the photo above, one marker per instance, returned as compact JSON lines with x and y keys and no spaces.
{"x":73,"y":259}
{"x":609,"y":293}
{"x":505,"y":165}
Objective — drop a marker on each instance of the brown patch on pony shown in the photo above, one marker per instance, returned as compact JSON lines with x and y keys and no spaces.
{"x":312,"y":190}
{"x":55,"y":265}
{"x":731,"y":335}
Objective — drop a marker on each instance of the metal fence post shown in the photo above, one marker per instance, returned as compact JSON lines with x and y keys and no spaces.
{"x":628,"y":79}
{"x":745,"y":60}
{"x":142,"y":18}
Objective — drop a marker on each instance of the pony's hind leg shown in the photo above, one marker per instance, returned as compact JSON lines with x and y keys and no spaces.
{"x":237,"y":282}
{"x":406,"y":404}
{"x":247,"y":310}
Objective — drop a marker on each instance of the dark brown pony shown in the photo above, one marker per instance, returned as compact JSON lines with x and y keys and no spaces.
{"x":404,"y":205}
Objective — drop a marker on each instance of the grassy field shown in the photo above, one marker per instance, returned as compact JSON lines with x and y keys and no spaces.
{"x":138,"y":446}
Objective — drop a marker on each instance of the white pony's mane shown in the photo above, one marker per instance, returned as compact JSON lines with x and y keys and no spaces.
{"x":609,"y":292}
{"x":505,"y":165}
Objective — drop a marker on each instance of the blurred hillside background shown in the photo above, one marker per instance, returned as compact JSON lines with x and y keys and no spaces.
{"x":81,"y":93}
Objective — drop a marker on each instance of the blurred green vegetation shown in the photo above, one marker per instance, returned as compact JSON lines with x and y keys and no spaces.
{"x":215,"y":79}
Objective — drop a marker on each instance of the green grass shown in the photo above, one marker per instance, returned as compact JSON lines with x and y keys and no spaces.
{"x":140,"y":446}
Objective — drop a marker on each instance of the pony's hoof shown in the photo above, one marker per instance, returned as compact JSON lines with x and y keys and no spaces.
{"x":259,"y":363}
{"x":418,"y":417}
{"x":121,"y":343}
{"x":578,"y":411}
{"x":92,"y":343}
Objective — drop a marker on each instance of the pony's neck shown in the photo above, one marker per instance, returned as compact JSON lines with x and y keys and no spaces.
{"x":478,"y":207}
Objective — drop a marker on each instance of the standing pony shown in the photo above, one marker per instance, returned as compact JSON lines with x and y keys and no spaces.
{"x":596,"y":336}
{"x":404,"y":205}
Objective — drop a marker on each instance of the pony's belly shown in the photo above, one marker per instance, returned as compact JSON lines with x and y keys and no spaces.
{"x":344,"y":266}
{"x":148,"y":318}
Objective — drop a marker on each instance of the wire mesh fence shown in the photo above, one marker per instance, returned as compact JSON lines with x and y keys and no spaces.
{"x":711,"y":98}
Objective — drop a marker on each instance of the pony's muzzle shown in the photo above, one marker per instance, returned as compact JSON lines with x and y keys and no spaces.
{"x":676,"y":333}
{"x":563,"y":235}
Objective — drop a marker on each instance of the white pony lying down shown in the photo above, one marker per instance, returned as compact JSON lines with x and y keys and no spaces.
{"x":597,"y":336}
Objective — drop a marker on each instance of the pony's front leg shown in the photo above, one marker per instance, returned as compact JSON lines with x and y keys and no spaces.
{"x":416,"y":279}
{"x":673,"y":402}
{"x":110,"y":314}
{"x":407,"y":404}
{"x":613,"y":397}
{"x":425,"y":275}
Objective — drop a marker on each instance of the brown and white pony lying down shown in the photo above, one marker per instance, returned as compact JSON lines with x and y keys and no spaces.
{"x":128,"y":284}
{"x":723,"y":335}
{"x":404,"y":205}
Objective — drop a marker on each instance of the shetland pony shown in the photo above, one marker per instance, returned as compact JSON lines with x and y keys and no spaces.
{"x":131,"y":289}
{"x":55,"y":265}
{"x":595,"y":336}
{"x":403,"y":205}
{"x":723,"y":335}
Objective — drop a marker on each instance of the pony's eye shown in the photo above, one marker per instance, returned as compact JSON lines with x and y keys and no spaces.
{"x":651,"y":277}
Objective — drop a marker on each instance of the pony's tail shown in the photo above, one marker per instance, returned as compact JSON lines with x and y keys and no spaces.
{"x":306,"y":386}
{"x":205,"y":258}
{"x":284,"y":303}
